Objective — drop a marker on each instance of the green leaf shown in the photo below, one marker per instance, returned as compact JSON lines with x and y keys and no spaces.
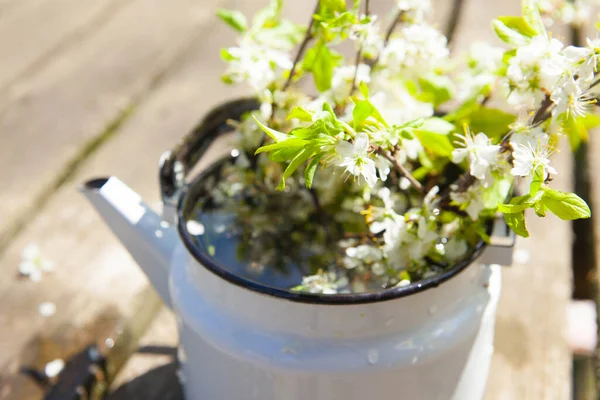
{"x":519,"y":204}
{"x":540,"y":209}
{"x":226,"y":79}
{"x":234,"y":19}
{"x":497,"y":193}
{"x":434,"y":124}
{"x":291,"y":143}
{"x":508,"y":55}
{"x":309,"y":172}
{"x":518,"y":24}
{"x":566,"y":206}
{"x":285,"y":35}
{"x":590,"y":120}
{"x":575,"y":130}
{"x":297,"y":161}
{"x":532,"y":15}
{"x":328,"y":7}
{"x":273,"y":134}
{"x":508,"y":35}
{"x":268,"y":16}
{"x":492,"y":121}
{"x":226,"y":55}
{"x":438,"y":144}
{"x":363,"y":109}
{"x":364,"y":89}
{"x":538,"y":180}
{"x":300,"y":113}
{"x":320,"y":60}
{"x":516,"y":222}
{"x":439,"y":87}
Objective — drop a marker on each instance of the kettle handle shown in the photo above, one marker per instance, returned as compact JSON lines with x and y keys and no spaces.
{"x":175,"y":164}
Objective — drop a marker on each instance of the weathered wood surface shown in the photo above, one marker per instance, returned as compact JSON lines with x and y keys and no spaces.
{"x":594,"y":149}
{"x":162,"y":59}
{"x":92,"y":270}
{"x":65,"y":106}
{"x":37,"y":30}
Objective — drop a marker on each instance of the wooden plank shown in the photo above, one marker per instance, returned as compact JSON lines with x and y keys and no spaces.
{"x":113,"y":333}
{"x":38,"y":29}
{"x":161,"y":334}
{"x":594,"y":164}
{"x":531,"y":359}
{"x":90,"y":264}
{"x":68,"y":107}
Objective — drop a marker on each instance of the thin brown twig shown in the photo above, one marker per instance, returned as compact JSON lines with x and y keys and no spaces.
{"x":356,"y":64}
{"x":358,"y":55}
{"x":454,"y":19}
{"x":307,"y":38}
{"x":391,"y":157}
{"x":467,"y":180}
{"x":392,"y":27}
{"x":389,"y":33}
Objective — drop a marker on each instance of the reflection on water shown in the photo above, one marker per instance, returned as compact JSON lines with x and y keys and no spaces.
{"x":270,"y":237}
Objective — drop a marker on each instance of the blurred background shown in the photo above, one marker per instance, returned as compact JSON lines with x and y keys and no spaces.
{"x":100,"y":88}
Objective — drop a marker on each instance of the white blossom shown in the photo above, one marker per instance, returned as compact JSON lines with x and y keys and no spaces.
{"x":342,"y":80}
{"x":483,"y":62}
{"x":368,"y":37}
{"x":528,"y":136}
{"x":473,"y":198}
{"x":32,"y":264}
{"x":455,"y":249}
{"x":47,"y":309}
{"x":581,"y":62}
{"x":481,"y":154}
{"x":355,"y":158}
{"x":526,"y":158}
{"x":571,"y":98}
{"x":383,"y":167}
{"x":422,"y":243}
{"x":418,"y":8}
{"x":576,"y":12}
{"x":255,"y":64}
{"x":54,"y":368}
{"x":535,"y":67}
{"x":430,"y":198}
{"x":417,"y":49}
{"x":365,"y":253}
{"x":396,"y":105}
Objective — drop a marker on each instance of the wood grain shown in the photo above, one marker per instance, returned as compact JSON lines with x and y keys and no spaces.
{"x":531,"y":360}
{"x":35,"y":31}
{"x":92,"y":269}
{"x":74,"y":99}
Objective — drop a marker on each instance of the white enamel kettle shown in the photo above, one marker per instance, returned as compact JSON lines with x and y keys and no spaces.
{"x":242,"y":340}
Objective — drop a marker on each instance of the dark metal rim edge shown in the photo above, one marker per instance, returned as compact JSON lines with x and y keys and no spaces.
{"x":311,"y":298}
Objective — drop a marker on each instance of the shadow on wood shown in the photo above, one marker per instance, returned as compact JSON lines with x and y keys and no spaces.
{"x":159,"y":383}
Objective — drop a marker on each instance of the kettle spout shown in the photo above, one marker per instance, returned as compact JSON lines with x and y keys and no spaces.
{"x":149,"y":240}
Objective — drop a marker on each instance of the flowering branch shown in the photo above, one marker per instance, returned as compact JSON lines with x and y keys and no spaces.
{"x":454,"y":19}
{"x":391,"y":157}
{"x":359,"y":54}
{"x":399,"y":15}
{"x":412,"y":75}
{"x":307,"y":38}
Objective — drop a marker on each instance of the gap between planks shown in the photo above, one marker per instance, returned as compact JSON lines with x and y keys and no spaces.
{"x":90,"y":263}
{"x":74,"y":164}
{"x":78,"y":34}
